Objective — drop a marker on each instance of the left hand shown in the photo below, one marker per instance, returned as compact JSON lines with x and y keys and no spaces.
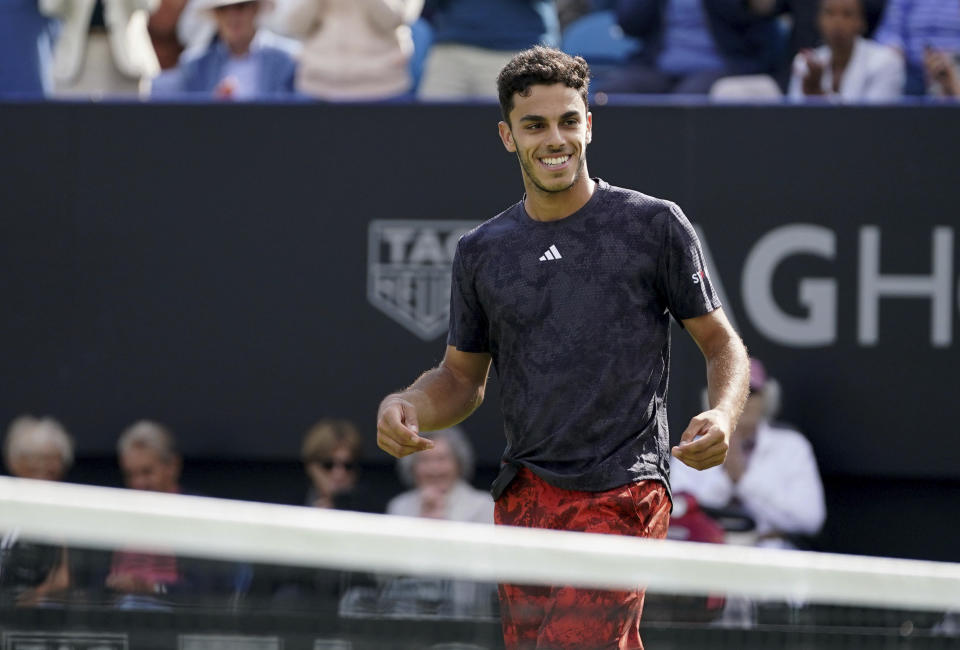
{"x":705,"y":441}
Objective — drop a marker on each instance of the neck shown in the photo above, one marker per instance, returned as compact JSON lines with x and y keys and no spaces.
{"x":840,"y":55}
{"x":239,"y":49}
{"x":553,"y":206}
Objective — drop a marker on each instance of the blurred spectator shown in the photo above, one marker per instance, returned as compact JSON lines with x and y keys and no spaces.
{"x":847,"y":67}
{"x":770,"y":473}
{"x":38,"y":448}
{"x":103,"y":47}
{"x":474,"y":39}
{"x":196,"y":27}
{"x":163,"y":32}
{"x":32,"y":573}
{"x":439,"y":479}
{"x":801,"y":17}
{"x":26,"y":49}
{"x":148,"y":578}
{"x":241,"y":63}
{"x":689,"y":44}
{"x":917,"y":28}
{"x":331,"y":458}
{"x":353,"y":49}
{"x":330,"y":453}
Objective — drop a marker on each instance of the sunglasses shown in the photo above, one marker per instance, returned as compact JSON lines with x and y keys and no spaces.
{"x":328,"y":464}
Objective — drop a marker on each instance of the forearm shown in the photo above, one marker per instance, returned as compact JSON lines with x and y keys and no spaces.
{"x":728,"y":377}
{"x":442,"y":397}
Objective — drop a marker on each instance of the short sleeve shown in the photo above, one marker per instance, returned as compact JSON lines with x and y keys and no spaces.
{"x":469,"y":331}
{"x":684,"y":280}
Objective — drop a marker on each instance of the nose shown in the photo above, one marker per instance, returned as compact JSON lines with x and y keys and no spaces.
{"x":554,"y":137}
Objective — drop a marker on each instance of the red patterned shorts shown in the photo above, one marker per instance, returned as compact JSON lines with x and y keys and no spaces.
{"x":558,"y":617}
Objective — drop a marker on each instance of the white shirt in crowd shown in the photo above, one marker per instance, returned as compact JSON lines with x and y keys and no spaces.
{"x":875,"y":73}
{"x":780,"y":489}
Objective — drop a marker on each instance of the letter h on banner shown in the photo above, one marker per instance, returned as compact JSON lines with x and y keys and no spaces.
{"x":936,"y":286}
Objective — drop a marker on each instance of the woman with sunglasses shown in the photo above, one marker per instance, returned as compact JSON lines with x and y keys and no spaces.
{"x":330,"y":453}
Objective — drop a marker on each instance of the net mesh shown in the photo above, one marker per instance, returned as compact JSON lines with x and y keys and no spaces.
{"x":215,"y":573}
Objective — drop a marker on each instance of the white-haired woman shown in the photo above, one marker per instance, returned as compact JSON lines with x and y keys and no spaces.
{"x":35,"y":448}
{"x":439,"y":478}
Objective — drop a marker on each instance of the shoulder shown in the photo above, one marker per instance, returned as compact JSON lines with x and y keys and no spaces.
{"x":194,"y":59}
{"x":615,"y":196}
{"x":880,"y":55}
{"x":636,"y":212}
{"x":786,"y":438}
{"x":278,"y":45}
{"x":493,"y":230}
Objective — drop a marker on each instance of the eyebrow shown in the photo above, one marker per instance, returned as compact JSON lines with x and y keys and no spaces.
{"x":541,"y":118}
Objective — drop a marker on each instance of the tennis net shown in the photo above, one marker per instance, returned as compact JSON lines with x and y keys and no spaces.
{"x":254,"y":575}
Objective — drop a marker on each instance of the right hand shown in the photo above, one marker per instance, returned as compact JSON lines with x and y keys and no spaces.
{"x":398,"y":428}
{"x":226,"y":89}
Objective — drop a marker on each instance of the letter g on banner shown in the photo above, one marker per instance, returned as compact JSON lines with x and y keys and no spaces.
{"x":819,"y":296}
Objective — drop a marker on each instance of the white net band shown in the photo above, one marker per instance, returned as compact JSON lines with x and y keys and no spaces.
{"x":239,"y":530}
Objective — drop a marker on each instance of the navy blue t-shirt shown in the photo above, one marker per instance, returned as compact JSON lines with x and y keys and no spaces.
{"x":576,"y":316}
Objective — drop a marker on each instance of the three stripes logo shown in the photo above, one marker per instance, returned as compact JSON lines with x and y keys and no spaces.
{"x":551,"y":254}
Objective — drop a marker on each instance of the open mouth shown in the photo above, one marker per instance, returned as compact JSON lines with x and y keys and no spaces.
{"x":555,"y":162}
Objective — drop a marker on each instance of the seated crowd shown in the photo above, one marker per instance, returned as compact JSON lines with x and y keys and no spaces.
{"x":390,"y":50}
{"x":770,"y":480}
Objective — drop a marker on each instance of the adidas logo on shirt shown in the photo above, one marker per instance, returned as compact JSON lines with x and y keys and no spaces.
{"x":551,"y":254}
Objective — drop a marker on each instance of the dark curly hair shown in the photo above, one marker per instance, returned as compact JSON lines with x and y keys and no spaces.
{"x":541,"y":65}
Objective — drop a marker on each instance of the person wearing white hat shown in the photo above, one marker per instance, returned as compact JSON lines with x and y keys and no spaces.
{"x":242,"y":62}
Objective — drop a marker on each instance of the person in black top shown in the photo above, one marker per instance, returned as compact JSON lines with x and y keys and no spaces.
{"x":569,"y":294}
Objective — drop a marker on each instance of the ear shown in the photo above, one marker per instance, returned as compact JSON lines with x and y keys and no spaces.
{"x":506,"y":136}
{"x":589,"y":127}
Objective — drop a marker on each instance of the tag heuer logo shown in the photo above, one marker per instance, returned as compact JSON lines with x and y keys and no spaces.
{"x":408,"y":271}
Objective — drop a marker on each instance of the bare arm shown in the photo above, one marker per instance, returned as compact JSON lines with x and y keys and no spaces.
{"x":440,"y":398}
{"x":705,"y":441}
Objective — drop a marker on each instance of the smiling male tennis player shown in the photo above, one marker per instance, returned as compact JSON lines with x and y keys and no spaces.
{"x":569,"y":293}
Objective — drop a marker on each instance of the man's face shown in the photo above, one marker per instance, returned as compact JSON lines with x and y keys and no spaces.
{"x":237,"y":24}
{"x":549,"y":131}
{"x":841,"y":21}
{"x":146,"y":469}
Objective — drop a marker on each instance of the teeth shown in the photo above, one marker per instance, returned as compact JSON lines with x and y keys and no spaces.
{"x":559,"y":160}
